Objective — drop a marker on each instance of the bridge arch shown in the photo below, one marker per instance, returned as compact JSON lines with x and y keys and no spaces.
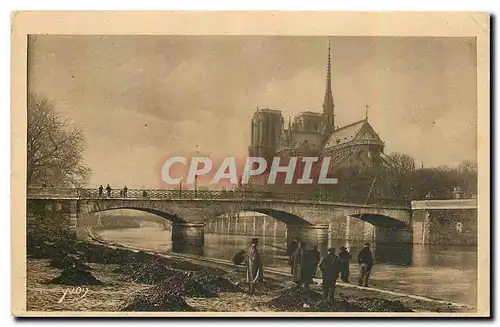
{"x":387,"y":229}
{"x":283,"y":216}
{"x":173,"y":218}
{"x":166,"y":212}
{"x":185,"y":236}
{"x":280,"y":215}
{"x":296,"y":226}
{"x":380,"y":220}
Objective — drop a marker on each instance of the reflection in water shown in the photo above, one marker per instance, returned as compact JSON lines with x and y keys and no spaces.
{"x":447,"y":272}
{"x":398,"y":254}
{"x":274,"y":249}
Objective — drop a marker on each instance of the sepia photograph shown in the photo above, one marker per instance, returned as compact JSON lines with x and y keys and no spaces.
{"x":250,"y":164}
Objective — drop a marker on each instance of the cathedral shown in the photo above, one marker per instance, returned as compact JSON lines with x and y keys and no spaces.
{"x":314,"y":134}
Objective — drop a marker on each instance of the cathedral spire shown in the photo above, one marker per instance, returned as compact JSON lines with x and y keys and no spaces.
{"x":328,"y":105}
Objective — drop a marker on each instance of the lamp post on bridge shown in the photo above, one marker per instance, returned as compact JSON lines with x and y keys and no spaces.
{"x":180,"y":188}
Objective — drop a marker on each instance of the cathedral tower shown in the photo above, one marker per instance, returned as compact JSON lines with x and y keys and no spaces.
{"x":266,"y":128}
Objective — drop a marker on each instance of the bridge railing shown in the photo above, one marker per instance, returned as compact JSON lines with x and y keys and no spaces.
{"x":51,"y":192}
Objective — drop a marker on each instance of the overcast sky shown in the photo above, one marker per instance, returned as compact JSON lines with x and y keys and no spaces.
{"x":138,"y":99}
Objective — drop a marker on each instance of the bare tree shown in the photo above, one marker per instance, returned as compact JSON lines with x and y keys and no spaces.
{"x":468,"y":167}
{"x":54,"y":148}
{"x":403,"y":163}
{"x":468,"y":177}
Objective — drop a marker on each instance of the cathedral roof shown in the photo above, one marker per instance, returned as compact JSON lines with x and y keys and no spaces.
{"x":309,"y":113}
{"x":360,"y":130}
{"x":302,"y":141}
{"x":306,"y":140}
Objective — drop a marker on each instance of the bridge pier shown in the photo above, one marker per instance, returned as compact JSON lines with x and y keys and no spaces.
{"x":310,"y":234}
{"x":347,"y":227}
{"x":53,"y":217}
{"x":368,"y":232}
{"x":188,"y":237}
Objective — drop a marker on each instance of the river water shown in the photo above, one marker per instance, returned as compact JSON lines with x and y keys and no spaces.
{"x":443,"y":272}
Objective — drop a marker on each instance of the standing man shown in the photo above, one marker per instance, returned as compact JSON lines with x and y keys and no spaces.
{"x":125,"y":189}
{"x":314,"y":257}
{"x":100,"y":190}
{"x":365,"y":260}
{"x":290,"y":251}
{"x":108,"y":190}
{"x":255,"y":268}
{"x":300,"y":266}
{"x":330,"y":266}
{"x":345,"y":259}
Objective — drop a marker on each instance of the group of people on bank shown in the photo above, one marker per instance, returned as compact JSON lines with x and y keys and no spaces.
{"x":304,"y":264}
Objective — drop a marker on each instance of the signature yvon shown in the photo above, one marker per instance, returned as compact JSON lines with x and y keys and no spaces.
{"x":77,"y":293}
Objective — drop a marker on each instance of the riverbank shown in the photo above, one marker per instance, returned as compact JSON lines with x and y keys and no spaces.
{"x":435,"y":272}
{"x":136,"y":281}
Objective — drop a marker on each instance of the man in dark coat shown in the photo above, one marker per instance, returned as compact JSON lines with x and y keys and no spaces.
{"x":239,"y":257}
{"x":125,"y":189}
{"x":108,"y":190}
{"x":301,"y":271}
{"x":290,"y":250}
{"x":100,"y":190}
{"x":365,"y":260}
{"x":345,"y":259}
{"x":255,"y":268}
{"x":330,"y":266}
{"x":314,"y":257}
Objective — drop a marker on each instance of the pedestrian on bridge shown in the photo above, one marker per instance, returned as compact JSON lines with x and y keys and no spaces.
{"x":345,"y":259}
{"x":100,"y":190}
{"x":330,"y":266}
{"x":255,"y":269}
{"x":108,"y":190}
{"x":365,"y":260}
{"x":125,"y":189}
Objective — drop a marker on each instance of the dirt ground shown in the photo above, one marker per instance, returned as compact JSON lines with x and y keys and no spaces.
{"x":119,"y":287}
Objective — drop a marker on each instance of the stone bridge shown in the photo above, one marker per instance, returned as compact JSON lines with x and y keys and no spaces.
{"x":309,"y":219}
